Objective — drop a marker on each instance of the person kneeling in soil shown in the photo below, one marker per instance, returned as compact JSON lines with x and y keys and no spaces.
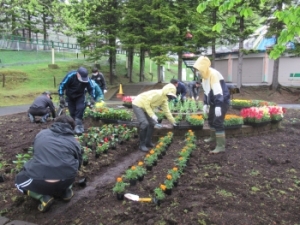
{"x":42,"y":106}
{"x":217,"y":96}
{"x":54,"y":165}
{"x":143,"y":106}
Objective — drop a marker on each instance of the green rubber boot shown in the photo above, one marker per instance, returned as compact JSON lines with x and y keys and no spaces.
{"x":212,"y":137}
{"x":221,"y":142}
{"x":46,"y":200}
{"x":68,"y":194}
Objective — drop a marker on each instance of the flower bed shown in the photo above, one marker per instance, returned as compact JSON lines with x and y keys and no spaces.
{"x":232,"y":121}
{"x":242,"y":103}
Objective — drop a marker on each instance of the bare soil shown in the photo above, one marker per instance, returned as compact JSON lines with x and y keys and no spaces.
{"x":256,"y":181}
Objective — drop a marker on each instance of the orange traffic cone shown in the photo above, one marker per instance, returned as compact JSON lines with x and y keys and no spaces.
{"x":120,"y":94}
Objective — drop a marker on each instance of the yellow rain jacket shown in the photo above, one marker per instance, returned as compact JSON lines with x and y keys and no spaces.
{"x":150,"y":100}
{"x":214,"y":86}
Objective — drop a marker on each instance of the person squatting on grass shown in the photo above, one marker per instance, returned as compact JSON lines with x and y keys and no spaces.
{"x":42,"y":106}
{"x":54,"y":165}
{"x":74,"y":85}
{"x":143,"y":107}
{"x":217,"y":96}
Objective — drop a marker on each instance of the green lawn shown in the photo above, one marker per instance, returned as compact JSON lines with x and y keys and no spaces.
{"x":22,"y":81}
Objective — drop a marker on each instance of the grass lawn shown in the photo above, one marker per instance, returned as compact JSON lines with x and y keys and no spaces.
{"x":22,"y":81}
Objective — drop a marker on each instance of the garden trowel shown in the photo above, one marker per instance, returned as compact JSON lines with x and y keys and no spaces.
{"x":136,"y":198}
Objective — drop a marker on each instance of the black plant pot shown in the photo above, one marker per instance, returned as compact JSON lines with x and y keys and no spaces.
{"x":160,"y":156}
{"x":105,"y":151}
{"x":97,"y":155}
{"x":136,"y":136}
{"x":120,"y":196}
{"x":133,"y":182}
{"x":1,"y":178}
{"x":141,"y":178}
{"x":85,"y":162}
{"x":168,"y":191}
{"x":163,"y":152}
{"x":175,"y":183}
{"x":113,"y":147}
{"x":149,"y":168}
{"x":155,"y":163}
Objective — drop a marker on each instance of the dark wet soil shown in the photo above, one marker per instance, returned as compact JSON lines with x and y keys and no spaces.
{"x":256,"y":181}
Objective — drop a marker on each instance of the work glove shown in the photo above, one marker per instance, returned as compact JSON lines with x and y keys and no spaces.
{"x":197,"y":98}
{"x":92,"y":103}
{"x":105,"y":91}
{"x":154,"y":117}
{"x":62,"y":100}
{"x":193,"y":98}
{"x":175,"y":124}
{"x":218,"y":111}
{"x":205,"y":109}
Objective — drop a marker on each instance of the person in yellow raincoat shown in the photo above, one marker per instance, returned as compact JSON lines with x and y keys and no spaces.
{"x":217,"y":97}
{"x":143,"y":107}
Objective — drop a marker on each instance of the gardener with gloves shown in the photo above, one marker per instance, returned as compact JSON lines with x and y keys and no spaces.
{"x":217,"y":97}
{"x":42,"y":106}
{"x":54,"y":165}
{"x":143,"y":106}
{"x":99,"y":79}
{"x":99,"y":97}
{"x":74,"y":85}
{"x":194,"y":89}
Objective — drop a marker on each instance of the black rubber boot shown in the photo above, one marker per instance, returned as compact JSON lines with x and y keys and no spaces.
{"x":78,"y":126}
{"x":143,"y":134}
{"x":150,"y":131}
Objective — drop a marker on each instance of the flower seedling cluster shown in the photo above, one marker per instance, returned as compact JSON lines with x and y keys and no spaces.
{"x":196,"y":120}
{"x":262,"y":114}
{"x":120,"y":186}
{"x":232,"y":120}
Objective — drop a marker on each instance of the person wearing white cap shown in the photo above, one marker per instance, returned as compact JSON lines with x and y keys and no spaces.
{"x":217,"y":99}
{"x":42,"y":106}
{"x":73,"y":86}
{"x":143,"y":107}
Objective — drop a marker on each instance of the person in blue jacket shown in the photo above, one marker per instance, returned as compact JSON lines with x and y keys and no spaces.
{"x":217,"y":99}
{"x":74,"y":86}
{"x":99,"y":97}
{"x":180,"y":89}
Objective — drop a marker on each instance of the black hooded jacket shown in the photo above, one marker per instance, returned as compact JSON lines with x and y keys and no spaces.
{"x":57,"y":154}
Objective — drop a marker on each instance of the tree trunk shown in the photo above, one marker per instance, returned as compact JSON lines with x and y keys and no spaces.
{"x":179,"y":73}
{"x":130,"y":63}
{"x":213,"y":43}
{"x":275,"y":83}
{"x":142,"y":64}
{"x":241,"y":54}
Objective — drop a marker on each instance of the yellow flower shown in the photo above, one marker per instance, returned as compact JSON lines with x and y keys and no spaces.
{"x":175,"y":168}
{"x":151,"y":152}
{"x":140,"y":163}
{"x":169,"y":177}
{"x":133,"y":168}
{"x":163,"y":187}
{"x":119,"y":179}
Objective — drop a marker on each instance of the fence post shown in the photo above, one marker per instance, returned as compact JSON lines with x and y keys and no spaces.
{"x":54,"y":81}
{"x":3,"y":80}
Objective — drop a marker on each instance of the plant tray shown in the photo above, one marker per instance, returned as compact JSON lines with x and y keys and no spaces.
{"x":239,"y":107}
{"x":275,"y":121}
{"x":257,"y":124}
{"x":231,"y":127}
{"x":109,"y":120}
{"x":129,"y":106}
{"x":129,"y":123}
{"x":184,"y":125}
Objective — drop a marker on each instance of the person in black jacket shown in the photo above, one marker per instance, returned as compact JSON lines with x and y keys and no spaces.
{"x":74,"y":85}
{"x":180,"y":89}
{"x":54,"y":165}
{"x":193,"y":89}
{"x":42,"y":106}
{"x":99,"y":79}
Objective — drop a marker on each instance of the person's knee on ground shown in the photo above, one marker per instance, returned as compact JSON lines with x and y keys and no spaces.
{"x":46,"y":200}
